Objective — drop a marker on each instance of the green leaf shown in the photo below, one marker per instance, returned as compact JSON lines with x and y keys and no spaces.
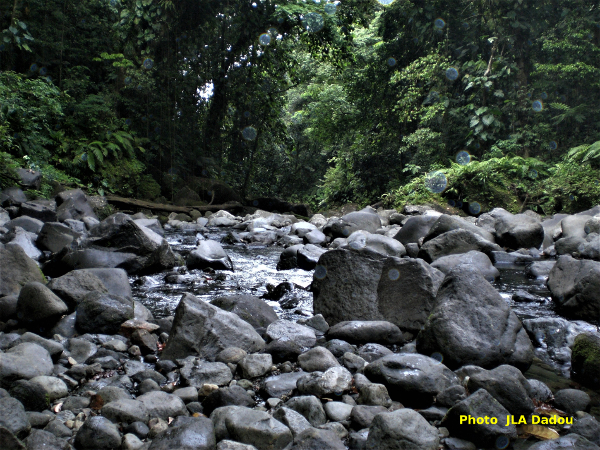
{"x":23,"y":25}
{"x":474,"y":122}
{"x":499,"y":93}
{"x":13,"y":30}
{"x":481,"y":110}
{"x":488,"y":119}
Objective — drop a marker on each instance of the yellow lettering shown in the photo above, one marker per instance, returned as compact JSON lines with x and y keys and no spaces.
{"x":567,"y":420}
{"x":544,"y":421}
{"x":480,"y":421}
{"x":535,"y":420}
{"x":494,"y":421}
{"x":462,"y":419}
{"x":522,"y":420}
{"x":560,"y":420}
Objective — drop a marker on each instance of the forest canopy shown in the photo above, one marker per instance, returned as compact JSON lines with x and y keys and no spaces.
{"x":474,"y":104}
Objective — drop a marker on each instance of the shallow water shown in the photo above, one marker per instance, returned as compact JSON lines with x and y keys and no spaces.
{"x":254,"y":268}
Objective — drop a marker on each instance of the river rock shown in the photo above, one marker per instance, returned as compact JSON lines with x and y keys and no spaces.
{"x":54,"y":348}
{"x":411,"y":378}
{"x":365,"y":219}
{"x":519,"y":231}
{"x":472,"y":324}
{"x":234,"y":395}
{"x":334,"y":380}
{"x":575,"y":287}
{"x":446,"y":222}
{"x":26,"y":241}
{"x":24,"y":361}
{"x":197,"y":373}
{"x":474,"y":258}
{"x":75,"y":285}
{"x":187,"y":433}
{"x":17,"y":270}
{"x":539,"y":269}
{"x":209,"y":254}
{"x":302,"y":228}
{"x":480,"y":404}
{"x":308,"y":256}
{"x":507,"y":385}
{"x":585,"y":359}
{"x":317,"y":359}
{"x":310,"y":407}
{"x":38,"y":305}
{"x":119,"y":233}
{"x":162,"y":405}
{"x":44,"y":440}
{"x":202,"y":329}
{"x":27,"y":223}
{"x":44,"y":210}
{"x":571,"y":400}
{"x":455,"y":242}
{"x":292,"y":419}
{"x":362,"y":332}
{"x":587,"y":427}
{"x":125,"y":411}
{"x":403,"y":428}
{"x":55,"y":236}
{"x":256,"y":365}
{"x":315,"y":237}
{"x":350,"y":286}
{"x":39,"y":392}
{"x":570,"y":441}
{"x":115,"y":280}
{"x":414,"y":229}
{"x":288,"y":259}
{"x":103,"y":313}
{"x":316,"y":439}
{"x":252,"y":427}
{"x":249,"y":308}
{"x":277,"y":386}
{"x":338,"y":411}
{"x":13,"y":417}
{"x":363,"y":241}
{"x":12,"y":196}
{"x":97,"y":433}
{"x":286,"y":331}
{"x":73,"y":204}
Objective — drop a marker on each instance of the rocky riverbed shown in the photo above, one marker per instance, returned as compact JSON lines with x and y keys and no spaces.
{"x":373,"y":330}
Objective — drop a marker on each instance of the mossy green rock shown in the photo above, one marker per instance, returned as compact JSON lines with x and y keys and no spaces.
{"x":585,"y":359}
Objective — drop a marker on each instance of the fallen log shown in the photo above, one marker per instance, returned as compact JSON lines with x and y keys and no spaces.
{"x":122,"y":202}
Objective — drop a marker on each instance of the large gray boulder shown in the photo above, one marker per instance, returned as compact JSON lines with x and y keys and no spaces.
{"x":196,"y":373}
{"x":27,"y":223}
{"x":162,"y":405}
{"x":44,"y":210}
{"x":13,"y":417}
{"x":575,"y":287}
{"x":455,"y":242}
{"x":415,"y":229}
{"x":97,"y":433}
{"x":519,"y":231}
{"x":413,"y":379}
{"x":186,"y":433}
{"x":209,"y":254}
{"x":507,"y":385}
{"x":103,"y":313}
{"x":446,"y":222}
{"x":363,"y":241}
{"x":585,"y":363}
{"x":472,"y":324}
{"x":250,"y":426}
{"x":26,"y":241}
{"x":351,"y":286}
{"x":202,"y":329}
{"x":365,"y":219}
{"x":363,"y":332}
{"x":73,"y":204}
{"x":552,"y":229}
{"x":17,"y":270}
{"x":286,"y":331}
{"x":39,"y":306}
{"x":115,"y":280}
{"x":334,"y":380}
{"x":480,"y":404}
{"x":12,"y":196}
{"x":55,"y":236}
{"x":75,"y":285}
{"x":402,"y":429}
{"x":478,"y":260}
{"x":249,"y":308}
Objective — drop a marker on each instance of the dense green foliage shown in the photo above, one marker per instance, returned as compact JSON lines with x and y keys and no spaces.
{"x":311,"y":101}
